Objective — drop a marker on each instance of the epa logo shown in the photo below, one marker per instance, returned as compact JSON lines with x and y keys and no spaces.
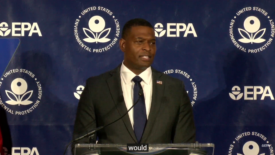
{"x":19,"y":94}
{"x":96,"y":29}
{"x":79,"y":91}
{"x":19,"y":29}
{"x":4,"y":29}
{"x":251,"y":33}
{"x":250,"y":143}
{"x":252,"y":30}
{"x":236,"y":93}
{"x":175,"y":30}
{"x":96,"y":25}
{"x":21,"y":91}
{"x":251,"y":93}
{"x":24,"y":151}
{"x":252,"y":148}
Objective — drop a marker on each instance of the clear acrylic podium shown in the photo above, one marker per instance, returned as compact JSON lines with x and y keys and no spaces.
{"x":158,"y":149}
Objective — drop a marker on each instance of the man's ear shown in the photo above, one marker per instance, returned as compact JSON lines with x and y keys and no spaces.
{"x":122,"y":44}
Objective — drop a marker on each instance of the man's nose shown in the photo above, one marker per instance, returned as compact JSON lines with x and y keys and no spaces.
{"x":146,"y":46}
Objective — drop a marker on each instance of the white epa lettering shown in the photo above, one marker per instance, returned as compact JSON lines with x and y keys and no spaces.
{"x":24,"y":151}
{"x":180,"y":27}
{"x":251,"y":93}
{"x":18,"y":29}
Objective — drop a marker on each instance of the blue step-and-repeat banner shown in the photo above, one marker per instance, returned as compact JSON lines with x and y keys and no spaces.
{"x":222,"y":50}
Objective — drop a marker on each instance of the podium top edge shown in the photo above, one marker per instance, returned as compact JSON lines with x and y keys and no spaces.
{"x":180,"y":145}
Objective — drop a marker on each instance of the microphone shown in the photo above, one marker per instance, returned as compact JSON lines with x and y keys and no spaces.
{"x":140,"y":94}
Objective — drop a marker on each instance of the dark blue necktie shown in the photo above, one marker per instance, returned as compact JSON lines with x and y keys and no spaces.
{"x":140,"y":118}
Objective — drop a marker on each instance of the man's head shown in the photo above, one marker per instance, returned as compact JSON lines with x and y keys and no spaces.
{"x":138,"y":44}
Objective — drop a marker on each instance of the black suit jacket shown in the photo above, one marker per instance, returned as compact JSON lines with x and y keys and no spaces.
{"x":170,"y":118}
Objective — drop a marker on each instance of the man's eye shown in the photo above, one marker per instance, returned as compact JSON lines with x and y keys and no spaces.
{"x":153,"y":43}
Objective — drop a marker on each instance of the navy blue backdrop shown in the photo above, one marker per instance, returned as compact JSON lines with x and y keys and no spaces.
{"x":222,"y":50}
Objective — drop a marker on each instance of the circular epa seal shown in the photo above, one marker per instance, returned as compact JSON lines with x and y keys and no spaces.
{"x":250,"y":143}
{"x":21,"y":92}
{"x":96,"y":29}
{"x":189,"y":84}
{"x":252,"y":30}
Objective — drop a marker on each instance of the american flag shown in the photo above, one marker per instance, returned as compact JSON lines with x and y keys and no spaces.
{"x":159,"y":82}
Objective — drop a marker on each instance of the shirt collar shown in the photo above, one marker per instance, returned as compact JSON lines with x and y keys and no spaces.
{"x":127,"y":75}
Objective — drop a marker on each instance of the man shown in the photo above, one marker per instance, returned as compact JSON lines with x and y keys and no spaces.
{"x":163,"y":113}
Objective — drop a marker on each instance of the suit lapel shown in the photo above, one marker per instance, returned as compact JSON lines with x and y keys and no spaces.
{"x":114,"y":84}
{"x":158,"y":90}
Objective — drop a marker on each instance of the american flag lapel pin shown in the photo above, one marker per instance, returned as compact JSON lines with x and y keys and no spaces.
{"x":159,"y":82}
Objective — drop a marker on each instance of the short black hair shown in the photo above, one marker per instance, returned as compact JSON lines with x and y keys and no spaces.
{"x":134,"y":22}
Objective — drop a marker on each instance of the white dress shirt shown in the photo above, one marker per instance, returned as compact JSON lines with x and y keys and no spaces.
{"x":127,"y":85}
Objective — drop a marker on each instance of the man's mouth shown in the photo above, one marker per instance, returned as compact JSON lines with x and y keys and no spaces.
{"x":145,"y":57}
